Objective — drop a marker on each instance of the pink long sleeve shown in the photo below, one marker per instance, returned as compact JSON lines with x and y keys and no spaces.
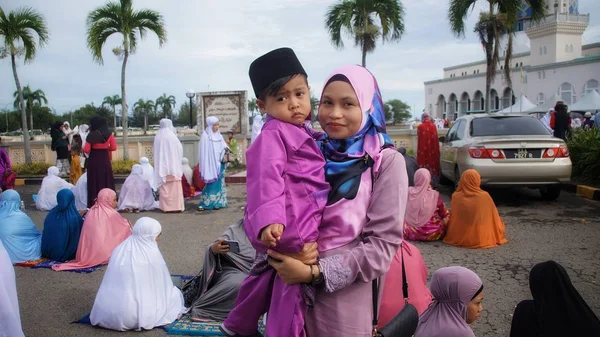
{"x":266,"y":161}
{"x":382,"y":234}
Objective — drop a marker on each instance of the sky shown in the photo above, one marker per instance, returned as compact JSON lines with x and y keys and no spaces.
{"x":210,"y":45}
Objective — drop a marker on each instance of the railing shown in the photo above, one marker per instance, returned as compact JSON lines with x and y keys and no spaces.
{"x":559,"y":17}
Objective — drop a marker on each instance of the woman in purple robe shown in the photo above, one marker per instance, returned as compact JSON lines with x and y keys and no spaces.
{"x":361,"y":228}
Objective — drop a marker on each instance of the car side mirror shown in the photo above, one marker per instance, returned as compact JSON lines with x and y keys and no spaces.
{"x":442,"y":139}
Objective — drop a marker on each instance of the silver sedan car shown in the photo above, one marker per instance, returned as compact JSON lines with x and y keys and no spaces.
{"x":506,"y":150}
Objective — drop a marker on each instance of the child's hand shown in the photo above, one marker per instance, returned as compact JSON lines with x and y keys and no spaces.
{"x":271,"y":234}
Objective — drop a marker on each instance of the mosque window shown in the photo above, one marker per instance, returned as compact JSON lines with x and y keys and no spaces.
{"x":567,"y":93}
{"x":590,"y":86}
{"x":540,"y":98}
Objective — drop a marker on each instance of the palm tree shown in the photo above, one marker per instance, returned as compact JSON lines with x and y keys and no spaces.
{"x":145,"y":107}
{"x":18,"y":29}
{"x":112,"y":101}
{"x":30,"y":97}
{"x":121,"y":18}
{"x":495,"y":24}
{"x":167,"y":103}
{"x":358,"y":18}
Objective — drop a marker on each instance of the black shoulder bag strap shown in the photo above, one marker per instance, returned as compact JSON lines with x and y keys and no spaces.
{"x":376,"y":293}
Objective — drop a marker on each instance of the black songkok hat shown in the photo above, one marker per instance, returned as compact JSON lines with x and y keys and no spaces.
{"x":272,"y":66}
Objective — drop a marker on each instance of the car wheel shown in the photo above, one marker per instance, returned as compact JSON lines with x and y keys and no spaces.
{"x":444,"y":180}
{"x":550,"y":193}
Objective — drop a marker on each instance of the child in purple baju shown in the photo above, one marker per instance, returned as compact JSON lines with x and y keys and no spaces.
{"x":287,"y":193}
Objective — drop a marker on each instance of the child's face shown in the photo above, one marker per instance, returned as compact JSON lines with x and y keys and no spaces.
{"x":340,"y":114}
{"x":291,"y":104}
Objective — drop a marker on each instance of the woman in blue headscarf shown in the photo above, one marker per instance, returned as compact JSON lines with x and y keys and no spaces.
{"x":18,"y":233}
{"x":62,"y":228}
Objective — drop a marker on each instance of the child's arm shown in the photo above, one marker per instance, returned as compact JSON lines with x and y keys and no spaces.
{"x":266,"y":162}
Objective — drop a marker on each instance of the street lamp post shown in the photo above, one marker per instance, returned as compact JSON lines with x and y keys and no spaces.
{"x":190,"y":94}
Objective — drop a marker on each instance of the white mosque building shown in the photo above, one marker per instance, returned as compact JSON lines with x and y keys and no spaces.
{"x":549,"y":59}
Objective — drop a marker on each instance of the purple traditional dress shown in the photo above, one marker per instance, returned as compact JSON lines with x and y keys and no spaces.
{"x":361,"y":228}
{"x":285,"y":184}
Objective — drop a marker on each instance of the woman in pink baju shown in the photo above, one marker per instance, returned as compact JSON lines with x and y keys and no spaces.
{"x":426,"y":215}
{"x":360,"y":232}
{"x":103,"y":230}
{"x":392,"y":300}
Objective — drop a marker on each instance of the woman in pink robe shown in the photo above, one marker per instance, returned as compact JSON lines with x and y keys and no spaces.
{"x":360,"y":232}
{"x":103,"y":230}
{"x":392,"y":300}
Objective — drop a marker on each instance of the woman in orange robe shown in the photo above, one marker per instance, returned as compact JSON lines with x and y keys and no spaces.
{"x":474,"y":219}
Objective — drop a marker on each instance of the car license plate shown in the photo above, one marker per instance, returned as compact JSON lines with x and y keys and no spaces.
{"x":522,"y":153}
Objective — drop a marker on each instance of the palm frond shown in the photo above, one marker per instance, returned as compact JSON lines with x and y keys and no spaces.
{"x":457,"y":13}
{"x":339,"y":18}
{"x":147,"y":19}
{"x":101,"y":23}
{"x":391,"y":15}
{"x":539,"y":9}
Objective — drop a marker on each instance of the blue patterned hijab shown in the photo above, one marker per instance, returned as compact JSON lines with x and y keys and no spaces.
{"x":346,"y":159}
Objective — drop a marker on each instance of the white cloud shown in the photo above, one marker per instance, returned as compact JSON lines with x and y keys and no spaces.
{"x":211,"y":43}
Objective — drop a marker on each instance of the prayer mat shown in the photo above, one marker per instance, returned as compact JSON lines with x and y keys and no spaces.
{"x":186,"y":327}
{"x":48,"y":264}
{"x":30,"y":264}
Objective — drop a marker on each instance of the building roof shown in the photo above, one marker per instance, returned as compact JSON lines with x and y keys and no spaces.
{"x":470,"y":64}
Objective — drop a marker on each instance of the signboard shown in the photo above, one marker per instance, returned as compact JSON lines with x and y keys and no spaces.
{"x":230,"y":107}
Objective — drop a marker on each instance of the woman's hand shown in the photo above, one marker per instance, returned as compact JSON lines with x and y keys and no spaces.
{"x":290,"y":270}
{"x":219,"y":247}
{"x":309,"y":253}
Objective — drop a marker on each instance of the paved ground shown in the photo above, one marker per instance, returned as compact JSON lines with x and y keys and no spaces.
{"x":567,"y":231}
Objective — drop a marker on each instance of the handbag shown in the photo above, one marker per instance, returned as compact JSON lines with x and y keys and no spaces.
{"x":404,"y":324}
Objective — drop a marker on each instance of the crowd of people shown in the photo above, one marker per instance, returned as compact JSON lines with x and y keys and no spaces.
{"x":329,"y":216}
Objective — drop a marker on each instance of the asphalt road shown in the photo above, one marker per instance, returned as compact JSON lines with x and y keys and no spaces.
{"x":567,"y":230}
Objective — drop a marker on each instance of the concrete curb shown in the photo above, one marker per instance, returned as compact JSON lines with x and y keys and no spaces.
{"x":583,"y":191}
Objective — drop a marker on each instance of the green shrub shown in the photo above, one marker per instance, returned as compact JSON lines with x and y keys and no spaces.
{"x":584,"y":149}
{"x":32,"y":169}
{"x":122,"y":166}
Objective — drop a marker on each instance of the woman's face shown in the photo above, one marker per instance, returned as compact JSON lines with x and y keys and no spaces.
{"x":114,"y":203}
{"x":340,"y":114}
{"x":215,"y":127}
{"x":474,"y":308}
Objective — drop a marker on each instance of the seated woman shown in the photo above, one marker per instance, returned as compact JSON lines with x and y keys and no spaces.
{"x":62,"y":228}
{"x":148,"y":172}
{"x":474,"y":222}
{"x":557,"y":308}
{"x":136,"y":193}
{"x":9,"y":302}
{"x":426,"y":215}
{"x":80,"y":192}
{"x":52,"y":183}
{"x":19,"y":235}
{"x":137,"y":291}
{"x":212,"y":293}
{"x":457,"y":293}
{"x":103,"y":229}
{"x":392,"y":299}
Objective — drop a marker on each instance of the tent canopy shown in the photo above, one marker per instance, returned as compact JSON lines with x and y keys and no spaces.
{"x":549,"y":104}
{"x":521,"y":105}
{"x":589,"y":102}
